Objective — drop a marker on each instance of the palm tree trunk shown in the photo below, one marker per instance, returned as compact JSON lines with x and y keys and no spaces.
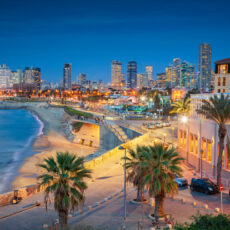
{"x":63,"y":219}
{"x":138,"y":193}
{"x":221,"y":133}
{"x":159,"y":206}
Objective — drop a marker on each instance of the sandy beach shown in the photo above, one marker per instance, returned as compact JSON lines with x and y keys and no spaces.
{"x":56,"y":138}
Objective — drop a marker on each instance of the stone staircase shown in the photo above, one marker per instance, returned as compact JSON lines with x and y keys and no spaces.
{"x":117,"y":130}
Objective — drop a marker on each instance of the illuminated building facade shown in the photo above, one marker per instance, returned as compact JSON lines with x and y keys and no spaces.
{"x":16,"y":77}
{"x":5,"y":75}
{"x":142,"y":80}
{"x":188,"y":77}
{"x":198,"y":139}
{"x":67,"y":77}
{"x":149,"y":72}
{"x":222,"y":76}
{"x":81,"y":79}
{"x":168,"y":72}
{"x":32,"y":75}
{"x":205,"y":55}
{"x":161,"y":80}
{"x":132,"y":74}
{"x":116,"y":75}
{"x":176,"y":72}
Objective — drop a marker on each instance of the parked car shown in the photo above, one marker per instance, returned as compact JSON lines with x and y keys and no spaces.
{"x":181,"y":181}
{"x":204,"y":185}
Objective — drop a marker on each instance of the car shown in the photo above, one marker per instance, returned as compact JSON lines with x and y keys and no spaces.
{"x":204,"y":185}
{"x":181,"y":181}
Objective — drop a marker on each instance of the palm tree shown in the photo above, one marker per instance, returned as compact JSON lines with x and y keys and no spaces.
{"x":159,"y":166}
{"x":64,"y":177}
{"x":133,"y":166}
{"x":218,"y":110}
{"x":181,"y":106}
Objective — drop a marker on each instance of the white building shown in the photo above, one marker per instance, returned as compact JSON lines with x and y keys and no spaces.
{"x":5,"y":75}
{"x":116,"y":75}
{"x":198,"y":138}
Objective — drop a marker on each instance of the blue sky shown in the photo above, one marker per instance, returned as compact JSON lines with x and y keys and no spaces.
{"x":90,"y":34}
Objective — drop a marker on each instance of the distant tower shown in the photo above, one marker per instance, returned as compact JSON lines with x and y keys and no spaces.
{"x":81,"y":79}
{"x":32,"y":75}
{"x":149,"y":72}
{"x":132,"y":74}
{"x":116,"y":75}
{"x":67,"y":78}
{"x":176,"y":73}
{"x":205,"y":55}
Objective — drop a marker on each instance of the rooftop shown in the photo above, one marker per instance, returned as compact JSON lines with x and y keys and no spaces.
{"x":223,"y":61}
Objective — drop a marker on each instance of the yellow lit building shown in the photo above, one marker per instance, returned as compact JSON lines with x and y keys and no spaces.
{"x":222,"y":76}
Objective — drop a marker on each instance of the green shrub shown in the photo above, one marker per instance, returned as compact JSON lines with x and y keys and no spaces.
{"x":73,"y":112}
{"x":206,"y":222}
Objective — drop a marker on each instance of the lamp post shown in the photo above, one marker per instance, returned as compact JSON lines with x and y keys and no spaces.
{"x":122,"y":148}
{"x":201,"y":162}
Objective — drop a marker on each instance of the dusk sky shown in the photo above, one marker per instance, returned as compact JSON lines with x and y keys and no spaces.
{"x":90,"y":34}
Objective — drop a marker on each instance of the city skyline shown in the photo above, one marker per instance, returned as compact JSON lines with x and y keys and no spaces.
{"x":94,"y":36}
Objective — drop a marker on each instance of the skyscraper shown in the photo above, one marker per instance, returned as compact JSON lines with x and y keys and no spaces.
{"x":81,"y":79}
{"x":161,"y":80}
{"x":149,"y":72}
{"x":176,"y":73}
{"x":16,"y":77}
{"x":142,"y":80}
{"x":5,"y":74}
{"x":132,"y":74}
{"x":187,"y":75}
{"x":116,"y":75}
{"x":67,"y":78}
{"x":205,"y":54}
{"x":168,"y":72}
{"x":32,"y":75}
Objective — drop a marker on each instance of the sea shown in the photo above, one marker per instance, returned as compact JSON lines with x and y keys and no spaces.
{"x":19,"y":129}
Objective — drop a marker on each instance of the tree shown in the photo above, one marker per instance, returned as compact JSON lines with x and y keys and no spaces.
{"x":206,"y":222}
{"x":64,"y":177}
{"x":218,"y":110}
{"x":133,"y":166}
{"x":181,"y":106}
{"x":159,"y":166}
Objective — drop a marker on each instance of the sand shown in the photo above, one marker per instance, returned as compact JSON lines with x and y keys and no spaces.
{"x":53,"y":140}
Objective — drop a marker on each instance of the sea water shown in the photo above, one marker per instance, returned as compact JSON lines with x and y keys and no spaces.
{"x":18,"y":130}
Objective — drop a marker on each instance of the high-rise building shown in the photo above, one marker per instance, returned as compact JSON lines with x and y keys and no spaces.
{"x":32,"y":75}
{"x":205,"y":55}
{"x":149,"y":72}
{"x":116,"y":75}
{"x":81,"y":79}
{"x":5,"y":75}
{"x":16,"y":77}
{"x":161,"y":80}
{"x":142,"y":80}
{"x":188,"y":79}
{"x":132,"y":74}
{"x":176,"y":73}
{"x":168,"y":72}
{"x":222,"y":76}
{"x":67,"y":77}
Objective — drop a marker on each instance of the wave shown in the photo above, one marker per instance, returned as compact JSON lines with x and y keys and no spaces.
{"x":14,"y":162}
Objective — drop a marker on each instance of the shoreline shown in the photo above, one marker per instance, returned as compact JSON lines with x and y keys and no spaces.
{"x":54,"y":136}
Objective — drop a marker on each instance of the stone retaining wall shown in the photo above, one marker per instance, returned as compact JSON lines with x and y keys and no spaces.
{"x":24,"y":192}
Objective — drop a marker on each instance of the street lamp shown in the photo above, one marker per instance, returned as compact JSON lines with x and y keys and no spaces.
{"x":122,"y":148}
{"x":201,"y":162}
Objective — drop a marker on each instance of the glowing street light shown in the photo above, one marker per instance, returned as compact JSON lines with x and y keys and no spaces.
{"x":143,"y":98}
{"x":184,"y":119}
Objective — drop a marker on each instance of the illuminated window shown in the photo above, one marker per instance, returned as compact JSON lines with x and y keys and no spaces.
{"x":224,"y":81}
{"x":191,"y":143}
{"x":223,"y":68}
{"x":209,"y":150}
{"x":218,"y":81}
{"x":195,"y":144}
{"x":203,"y":147}
{"x":223,"y":90}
